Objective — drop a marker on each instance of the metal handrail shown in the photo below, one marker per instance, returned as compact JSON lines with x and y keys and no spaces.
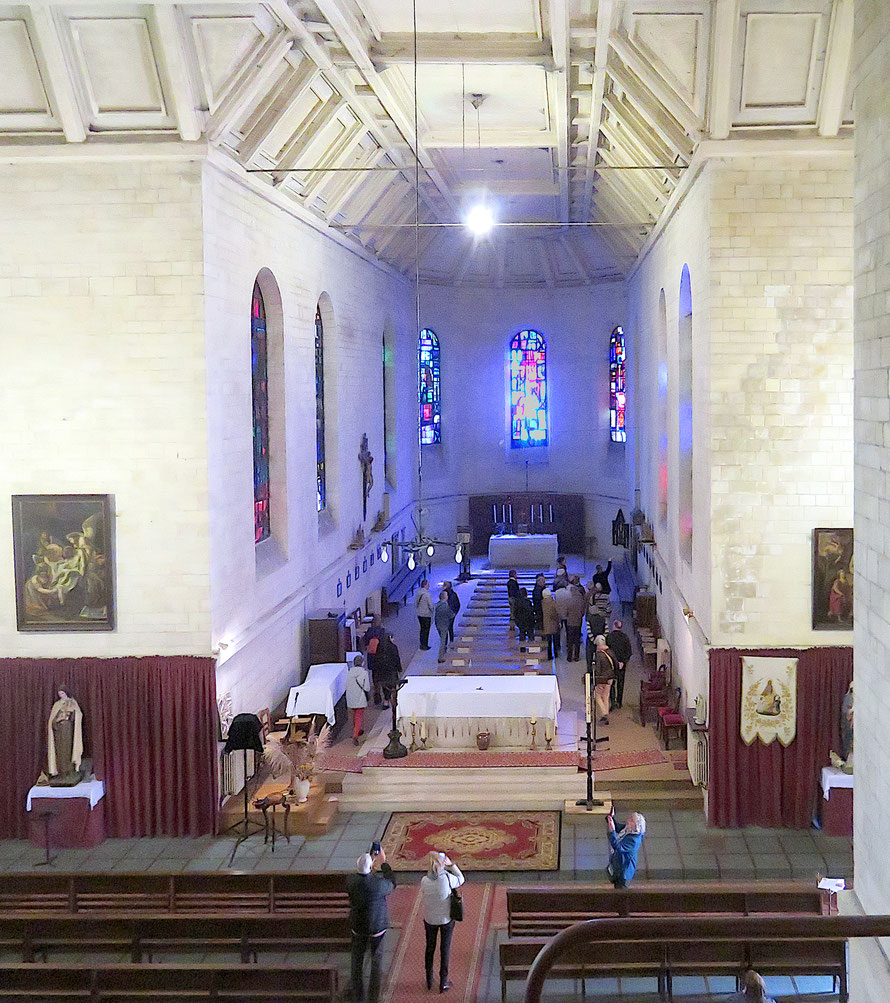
{"x":679,"y":929}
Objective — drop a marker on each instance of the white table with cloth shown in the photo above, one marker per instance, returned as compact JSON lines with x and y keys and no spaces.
{"x":454,"y":709}
{"x":67,"y":816}
{"x":319,"y":693}
{"x":836,"y":805}
{"x":537,"y":550}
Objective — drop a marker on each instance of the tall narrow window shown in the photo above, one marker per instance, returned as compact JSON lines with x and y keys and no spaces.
{"x":428,"y":383}
{"x":259,"y":369}
{"x":320,"y":470}
{"x":528,"y":390}
{"x":617,"y":388}
{"x":685,"y":361}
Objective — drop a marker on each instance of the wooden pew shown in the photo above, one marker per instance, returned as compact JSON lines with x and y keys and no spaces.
{"x":188,"y":894}
{"x":542,"y":911}
{"x":306,"y":983}
{"x":143,"y":936}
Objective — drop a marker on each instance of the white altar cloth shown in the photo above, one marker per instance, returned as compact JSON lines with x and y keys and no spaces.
{"x":93,"y":789}
{"x":538,"y":550}
{"x":454,"y":709}
{"x":324,"y":685}
{"x":833,"y":777}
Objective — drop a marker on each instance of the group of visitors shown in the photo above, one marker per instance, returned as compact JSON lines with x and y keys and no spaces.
{"x":377,"y":679}
{"x":368,"y":890}
{"x":443,"y":614}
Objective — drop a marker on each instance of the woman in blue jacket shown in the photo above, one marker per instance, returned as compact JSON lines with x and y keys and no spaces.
{"x":625,"y":841}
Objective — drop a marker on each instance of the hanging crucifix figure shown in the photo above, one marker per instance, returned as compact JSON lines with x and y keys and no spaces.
{"x":365,"y":459}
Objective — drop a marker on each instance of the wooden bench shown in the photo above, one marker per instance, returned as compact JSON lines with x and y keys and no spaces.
{"x":402,"y":584}
{"x":144,"y":936}
{"x":664,"y":960}
{"x":118,"y":983}
{"x":152,"y":894}
{"x":543,"y":911}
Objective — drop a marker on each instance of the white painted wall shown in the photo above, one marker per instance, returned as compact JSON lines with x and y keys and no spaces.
{"x":872,"y":434}
{"x":475,"y":328}
{"x":101,"y":279}
{"x":259,"y":601}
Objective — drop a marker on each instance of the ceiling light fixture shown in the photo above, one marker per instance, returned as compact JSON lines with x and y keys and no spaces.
{"x":480,"y":220}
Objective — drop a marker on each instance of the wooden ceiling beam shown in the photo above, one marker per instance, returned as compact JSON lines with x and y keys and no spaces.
{"x":561,"y":98}
{"x":648,"y":106}
{"x":171,"y":34}
{"x":277,"y":104}
{"x":833,"y":99}
{"x":491,"y":48}
{"x":628,"y":116}
{"x":63,"y":96}
{"x":726,"y":21}
{"x":600,"y":64}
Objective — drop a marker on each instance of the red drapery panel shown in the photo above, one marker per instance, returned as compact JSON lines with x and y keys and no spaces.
{"x":769,"y":785}
{"x":150,"y":725}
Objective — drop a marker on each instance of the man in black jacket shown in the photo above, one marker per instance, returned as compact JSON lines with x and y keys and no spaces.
{"x":620,"y":644}
{"x":601,"y":577}
{"x":369,"y":919}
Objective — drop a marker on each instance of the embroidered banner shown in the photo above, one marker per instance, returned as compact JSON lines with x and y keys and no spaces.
{"x":769,"y":700}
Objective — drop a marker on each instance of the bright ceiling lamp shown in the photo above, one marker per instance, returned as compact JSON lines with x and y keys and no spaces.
{"x":480,"y":220}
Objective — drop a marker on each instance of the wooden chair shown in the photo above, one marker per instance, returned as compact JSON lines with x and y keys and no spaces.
{"x":654,"y":692}
{"x":670,"y":720}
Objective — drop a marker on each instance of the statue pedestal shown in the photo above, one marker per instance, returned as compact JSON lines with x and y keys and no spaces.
{"x":67,"y":816}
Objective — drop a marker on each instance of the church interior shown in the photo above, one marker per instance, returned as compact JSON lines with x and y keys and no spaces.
{"x":461,"y":424}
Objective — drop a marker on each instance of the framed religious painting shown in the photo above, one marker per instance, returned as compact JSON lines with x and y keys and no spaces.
{"x":832,"y":579}
{"x":64,"y":563}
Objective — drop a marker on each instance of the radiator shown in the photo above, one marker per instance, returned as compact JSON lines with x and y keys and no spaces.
{"x":231,"y":772}
{"x":697,"y":756}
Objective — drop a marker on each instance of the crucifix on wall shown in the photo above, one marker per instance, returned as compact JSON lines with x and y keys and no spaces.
{"x":366,"y":460}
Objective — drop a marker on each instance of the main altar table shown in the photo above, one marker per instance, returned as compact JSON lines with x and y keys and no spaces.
{"x":320,"y":692}
{"x":67,"y":816}
{"x":454,"y":709}
{"x":538,"y":550}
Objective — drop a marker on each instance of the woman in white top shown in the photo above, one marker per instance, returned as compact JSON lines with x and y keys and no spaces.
{"x":358,"y":686}
{"x":435,"y":889}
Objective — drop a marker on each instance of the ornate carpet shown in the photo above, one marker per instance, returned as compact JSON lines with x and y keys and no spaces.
{"x":475,"y":841}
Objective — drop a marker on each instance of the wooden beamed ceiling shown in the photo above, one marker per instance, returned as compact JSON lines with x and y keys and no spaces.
{"x":586,"y":113}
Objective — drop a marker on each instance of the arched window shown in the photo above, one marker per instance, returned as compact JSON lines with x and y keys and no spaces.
{"x":662,"y":411}
{"x":428,"y":388}
{"x":684,"y":414}
{"x":528,"y":390}
{"x":259,"y":370}
{"x":320,"y":471}
{"x":617,"y":386}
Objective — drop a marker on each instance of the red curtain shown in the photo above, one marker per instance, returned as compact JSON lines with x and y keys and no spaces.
{"x":150,"y":725}
{"x":769,"y":785}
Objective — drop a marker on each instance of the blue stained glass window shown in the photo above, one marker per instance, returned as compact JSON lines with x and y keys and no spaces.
{"x":617,"y":387}
{"x":259,"y":369}
{"x":428,"y":388}
{"x":320,"y":470}
{"x":528,"y":390}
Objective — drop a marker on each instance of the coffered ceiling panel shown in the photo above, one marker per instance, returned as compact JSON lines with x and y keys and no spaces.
{"x":222,"y":45}
{"x":678,"y":45}
{"x":24,"y":102}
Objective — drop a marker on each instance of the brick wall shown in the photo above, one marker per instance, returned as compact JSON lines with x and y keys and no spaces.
{"x":781,"y":391}
{"x":101,"y":279}
{"x":872,"y":410}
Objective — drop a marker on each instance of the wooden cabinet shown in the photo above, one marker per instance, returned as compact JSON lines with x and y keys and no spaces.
{"x":327,"y":637}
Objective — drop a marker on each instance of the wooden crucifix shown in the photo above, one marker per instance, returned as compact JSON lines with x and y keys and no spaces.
{"x":366,"y":460}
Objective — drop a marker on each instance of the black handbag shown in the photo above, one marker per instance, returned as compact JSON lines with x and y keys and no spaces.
{"x":457,"y":905}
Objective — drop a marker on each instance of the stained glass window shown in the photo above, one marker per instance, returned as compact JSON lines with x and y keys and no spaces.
{"x":320,"y":474}
{"x":259,"y":368}
{"x":428,"y":384}
{"x":617,"y":387}
{"x":528,"y":390}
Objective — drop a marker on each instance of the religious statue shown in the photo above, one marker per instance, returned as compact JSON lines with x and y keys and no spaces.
{"x":64,"y":732}
{"x":366,"y":460}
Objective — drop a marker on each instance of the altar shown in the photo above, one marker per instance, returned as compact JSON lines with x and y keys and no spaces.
{"x":538,"y":550}
{"x":320,"y":692}
{"x":452,"y":710}
{"x":67,"y":817}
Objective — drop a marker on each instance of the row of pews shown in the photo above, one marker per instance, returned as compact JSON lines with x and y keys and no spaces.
{"x":537,"y":914}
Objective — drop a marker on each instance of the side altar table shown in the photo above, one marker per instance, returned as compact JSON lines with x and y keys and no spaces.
{"x":837,"y":802}
{"x":454,"y":709}
{"x":67,"y":816}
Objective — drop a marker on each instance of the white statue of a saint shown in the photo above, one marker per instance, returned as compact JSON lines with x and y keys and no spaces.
{"x":64,"y":734}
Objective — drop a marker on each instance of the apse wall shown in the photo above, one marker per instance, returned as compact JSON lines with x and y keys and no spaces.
{"x":474,"y":327}
{"x":103,"y":385}
{"x":261,"y":594}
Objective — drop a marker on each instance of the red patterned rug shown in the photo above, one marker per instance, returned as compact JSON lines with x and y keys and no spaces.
{"x":475,"y":841}
{"x":623,"y":760}
{"x":407,"y":983}
{"x":463,"y":760}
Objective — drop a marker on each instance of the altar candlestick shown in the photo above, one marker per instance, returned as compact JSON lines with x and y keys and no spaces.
{"x":414,"y":717}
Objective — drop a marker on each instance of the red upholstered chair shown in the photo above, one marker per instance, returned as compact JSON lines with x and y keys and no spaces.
{"x":654,"y":693}
{"x":670,"y":720}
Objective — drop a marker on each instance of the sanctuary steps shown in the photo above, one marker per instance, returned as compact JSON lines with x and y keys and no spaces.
{"x":472,"y":789}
